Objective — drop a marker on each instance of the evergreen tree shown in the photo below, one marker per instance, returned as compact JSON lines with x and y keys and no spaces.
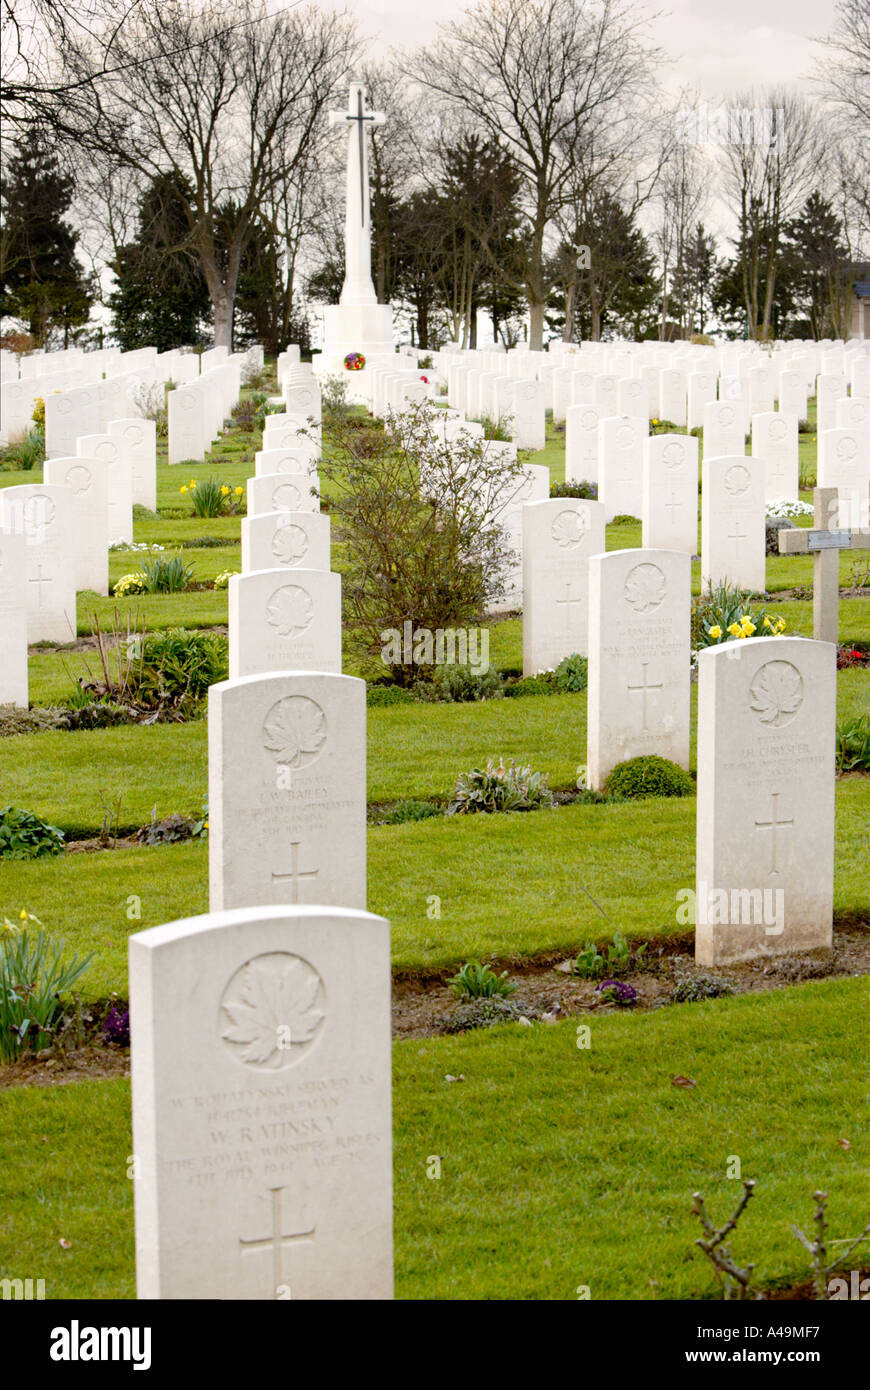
{"x":618,"y":288}
{"x":41,"y":281}
{"x":161,"y":298}
{"x":818,"y":270}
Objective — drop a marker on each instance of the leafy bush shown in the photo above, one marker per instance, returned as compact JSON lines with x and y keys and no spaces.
{"x":150,"y":402}
{"x":245,"y":413}
{"x":459,"y":685}
{"x":27,"y":453}
{"x":588,"y":490}
{"x":496,"y":429}
{"x":590,"y":963}
{"x":853,"y":744}
{"x":500,"y":788}
{"x":404,"y":811}
{"x":485,"y":1013}
{"x":33,"y":976}
{"x":476,"y":981}
{"x":166,"y":575}
{"x":334,"y":405}
{"x":24,"y":836}
{"x":572,"y":672}
{"x":130,"y":584}
{"x":544,"y":683}
{"x":378,"y":695}
{"x":649,"y":776}
{"x":703,"y":985}
{"x":724,"y":613}
{"x":176,"y":663}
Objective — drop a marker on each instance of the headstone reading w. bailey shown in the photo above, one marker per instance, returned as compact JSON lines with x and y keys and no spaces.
{"x":559,"y":536}
{"x":284,"y":622}
{"x":287,"y":790}
{"x":260,"y":1068}
{"x":288,"y":539}
{"x":13,"y":620}
{"x":639,"y":658}
{"x":765,"y":840}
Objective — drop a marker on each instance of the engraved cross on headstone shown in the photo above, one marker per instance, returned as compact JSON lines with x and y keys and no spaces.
{"x":737,"y":535}
{"x":566,"y":602}
{"x":773,"y":825}
{"x":824,"y":543}
{"x":644,"y":689}
{"x":295,"y":873}
{"x":278,"y":1240}
{"x":40,"y":580}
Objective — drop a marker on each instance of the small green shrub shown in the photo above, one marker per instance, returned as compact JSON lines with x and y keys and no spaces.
{"x":649,"y":776}
{"x":167,"y":831}
{"x":378,"y":695}
{"x":725,"y":613}
{"x":701,"y":986}
{"x":33,"y":977}
{"x":500,"y":788}
{"x":544,"y":683}
{"x":572,"y":672}
{"x":618,"y":959}
{"x":853,"y":744}
{"x":495,"y":429}
{"x":460,"y":685}
{"x":129,"y":584}
{"x":589,"y":963}
{"x":211,"y":497}
{"x":476,"y":981}
{"x":485,"y":1013}
{"x":24,"y":836}
{"x":222,"y":580}
{"x":166,"y":574}
{"x":175,"y":664}
{"x":588,"y":490}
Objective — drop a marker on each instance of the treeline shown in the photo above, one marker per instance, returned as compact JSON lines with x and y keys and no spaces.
{"x":529,"y":167}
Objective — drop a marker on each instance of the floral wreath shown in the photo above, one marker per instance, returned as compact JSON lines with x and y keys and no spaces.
{"x":354,"y":361}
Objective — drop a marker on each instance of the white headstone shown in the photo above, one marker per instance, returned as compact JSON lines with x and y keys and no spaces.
{"x":291,"y":539}
{"x":282,"y":622}
{"x":766,"y":721}
{"x":527,"y":412}
{"x":732,"y":522}
{"x":844,"y":463}
{"x":724,"y":432}
{"x":775,"y":440}
{"x":620,"y":464}
{"x":532,"y":485}
{"x":188,"y":435}
{"x":581,"y":444}
{"x":43,"y":514}
{"x":138,"y":440}
{"x":559,"y":536}
{"x":109,"y":450}
{"x":88,"y":481}
{"x":13,"y":620}
{"x":669,"y":510}
{"x":287,"y":790}
{"x":673,"y":395}
{"x":282,"y":492}
{"x":639,"y":659}
{"x":298,"y":459}
{"x":260,"y":1067}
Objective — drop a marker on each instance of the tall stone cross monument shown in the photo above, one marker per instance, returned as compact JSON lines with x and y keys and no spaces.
{"x":357,"y":324}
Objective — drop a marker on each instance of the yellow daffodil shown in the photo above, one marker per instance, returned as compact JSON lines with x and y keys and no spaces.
{"x":238,"y":491}
{"x":734,"y":629}
{"x":747,"y":627}
{"x":23,"y":915}
{"x":780,"y":624}
{"x":768,"y":623}
{"x":716,"y":631}
{"x":182,"y":489}
{"x":225,"y":492}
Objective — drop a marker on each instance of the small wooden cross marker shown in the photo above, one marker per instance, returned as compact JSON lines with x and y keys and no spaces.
{"x":824,"y":542}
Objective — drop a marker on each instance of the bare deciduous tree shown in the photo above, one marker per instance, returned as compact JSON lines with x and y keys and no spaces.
{"x":541,"y":76}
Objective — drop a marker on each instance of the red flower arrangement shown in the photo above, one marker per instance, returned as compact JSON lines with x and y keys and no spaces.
{"x":354,"y":361}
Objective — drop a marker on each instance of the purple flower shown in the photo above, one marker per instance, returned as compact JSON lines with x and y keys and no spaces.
{"x":116,"y":1027}
{"x":617,"y":992}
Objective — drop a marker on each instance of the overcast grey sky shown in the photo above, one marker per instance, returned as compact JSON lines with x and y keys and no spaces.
{"x":715,"y":45}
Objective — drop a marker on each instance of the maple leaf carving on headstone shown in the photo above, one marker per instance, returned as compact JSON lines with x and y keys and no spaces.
{"x":645,"y":588}
{"x":289,"y":611}
{"x":289,"y":544}
{"x":295,"y":730}
{"x":777,"y":692}
{"x":568,"y":529}
{"x":275,"y":1001}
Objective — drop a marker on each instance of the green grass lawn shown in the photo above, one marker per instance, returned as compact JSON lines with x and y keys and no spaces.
{"x":507,"y":886}
{"x":560,"y":1167}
